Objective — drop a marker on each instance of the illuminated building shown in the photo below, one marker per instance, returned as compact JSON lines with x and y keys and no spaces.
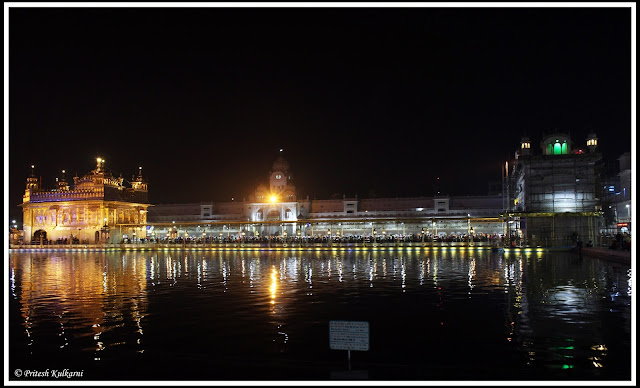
{"x":552,"y":197}
{"x":273,"y":209}
{"x":623,"y":195}
{"x":89,"y":211}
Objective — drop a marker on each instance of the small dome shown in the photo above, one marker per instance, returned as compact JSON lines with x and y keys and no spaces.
{"x":280,"y":164}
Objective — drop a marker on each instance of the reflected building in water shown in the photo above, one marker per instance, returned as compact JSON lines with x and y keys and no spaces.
{"x":79,"y":298}
{"x":227,"y":304}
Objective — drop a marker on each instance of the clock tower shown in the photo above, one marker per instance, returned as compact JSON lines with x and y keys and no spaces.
{"x":276,"y":202}
{"x":279,"y":180}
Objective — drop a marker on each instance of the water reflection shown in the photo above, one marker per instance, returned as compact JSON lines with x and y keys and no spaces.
{"x":550,"y":311}
{"x":274,"y":284}
{"x":76,"y":301}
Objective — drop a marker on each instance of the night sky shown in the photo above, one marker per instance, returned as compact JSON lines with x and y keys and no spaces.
{"x":374,"y":102}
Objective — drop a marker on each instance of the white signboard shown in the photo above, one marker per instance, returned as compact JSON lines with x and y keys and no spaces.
{"x":349,"y":335}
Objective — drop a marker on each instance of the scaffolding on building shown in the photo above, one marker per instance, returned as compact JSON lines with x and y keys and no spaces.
{"x":551,"y":229}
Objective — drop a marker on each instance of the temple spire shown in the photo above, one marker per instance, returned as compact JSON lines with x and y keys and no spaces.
{"x":31,"y":186}
{"x":139,"y":182}
{"x":99,"y":164}
{"x":62,"y":183}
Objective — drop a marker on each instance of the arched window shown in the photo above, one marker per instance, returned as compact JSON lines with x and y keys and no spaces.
{"x":558,"y":148}
{"x":557,"y":145}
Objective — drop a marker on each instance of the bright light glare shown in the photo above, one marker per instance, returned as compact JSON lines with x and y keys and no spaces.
{"x":273,"y":198}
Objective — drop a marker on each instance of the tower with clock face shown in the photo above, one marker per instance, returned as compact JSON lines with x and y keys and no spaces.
{"x":278,"y":181}
{"x":280,"y":178}
{"x":277,"y":202}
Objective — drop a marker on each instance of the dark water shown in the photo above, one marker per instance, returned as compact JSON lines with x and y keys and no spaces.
{"x":439,"y":314}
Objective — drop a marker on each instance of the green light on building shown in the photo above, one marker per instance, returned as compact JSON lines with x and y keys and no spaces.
{"x":557,"y":149}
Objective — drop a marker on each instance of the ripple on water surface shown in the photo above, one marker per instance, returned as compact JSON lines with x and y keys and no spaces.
{"x":434,"y":314}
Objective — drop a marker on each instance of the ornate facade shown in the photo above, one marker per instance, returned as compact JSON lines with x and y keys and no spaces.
{"x":89,"y":212}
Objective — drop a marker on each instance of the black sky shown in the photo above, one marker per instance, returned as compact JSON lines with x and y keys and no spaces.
{"x":363,"y":101}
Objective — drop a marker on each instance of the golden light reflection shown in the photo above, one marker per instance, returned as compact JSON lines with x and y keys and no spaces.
{"x":403,"y":274}
{"x":471,"y":274}
{"x":274,"y":284}
{"x":97,"y":294}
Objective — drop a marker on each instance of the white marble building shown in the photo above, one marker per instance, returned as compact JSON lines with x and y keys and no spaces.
{"x":275,"y":210}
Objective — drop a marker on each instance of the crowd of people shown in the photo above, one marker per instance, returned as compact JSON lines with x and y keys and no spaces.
{"x":61,"y":241}
{"x":621,"y":241}
{"x":325,"y":238}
